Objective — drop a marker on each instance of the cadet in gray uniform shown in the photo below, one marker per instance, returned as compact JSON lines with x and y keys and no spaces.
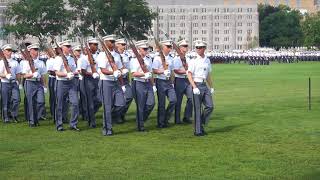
{"x":111,"y":92}
{"x":198,"y":74}
{"x":34,"y":91}
{"x":182,"y":85}
{"x":121,"y":45}
{"x":66,"y":86}
{"x":142,"y":84}
{"x":9,"y":90}
{"x":90,"y":82}
{"x":51,"y":85}
{"x":164,"y":85}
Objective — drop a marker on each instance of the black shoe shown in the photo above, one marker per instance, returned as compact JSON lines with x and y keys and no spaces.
{"x":178,"y":122}
{"x":198,"y":134}
{"x":32,"y":125}
{"x":187,"y":121}
{"x":162,"y":126}
{"x":107,"y":132}
{"x":60,"y":129}
{"x":93,"y":126}
{"x":15,"y":120}
{"x":6,"y":121}
{"x":42,"y":118}
{"x":204,"y":133}
{"x":37,"y":124}
{"x":74,"y":128}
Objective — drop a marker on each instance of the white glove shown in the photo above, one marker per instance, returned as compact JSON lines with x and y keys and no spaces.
{"x":116,"y":73}
{"x":123,"y":88}
{"x":35,"y":75}
{"x":45,"y":90}
{"x":212,"y":90}
{"x":167,"y":73}
{"x":9,"y":76}
{"x":70,"y":75}
{"x":148,"y":75}
{"x":173,"y":85}
{"x":20,"y":86}
{"x":196,"y":91}
{"x":95,"y":75}
{"x":154,"y":89}
{"x":125,"y":71}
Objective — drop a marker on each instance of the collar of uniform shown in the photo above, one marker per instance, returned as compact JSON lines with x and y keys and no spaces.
{"x":199,"y":57}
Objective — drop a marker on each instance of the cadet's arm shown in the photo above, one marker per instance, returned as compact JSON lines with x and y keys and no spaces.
{"x":157,"y":71}
{"x":191,"y":80}
{"x":61,"y":74}
{"x":137,"y":74}
{"x":209,"y":81}
{"x":106,"y":71}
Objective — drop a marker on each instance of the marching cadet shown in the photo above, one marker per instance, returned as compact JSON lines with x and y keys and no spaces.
{"x":66,"y":87}
{"x":164,"y":85}
{"x":33,"y":86}
{"x":9,"y":88}
{"x":182,"y":85}
{"x":111,"y":92}
{"x":198,"y":74}
{"x":51,"y":83}
{"x":90,"y":82}
{"x":143,"y":88}
{"x":121,"y":46}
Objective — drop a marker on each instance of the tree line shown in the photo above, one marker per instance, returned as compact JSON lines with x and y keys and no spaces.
{"x":58,"y":17}
{"x":284,"y":27}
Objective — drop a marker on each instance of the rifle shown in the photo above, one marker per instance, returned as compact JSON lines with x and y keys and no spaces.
{"x":135,"y":51}
{"x":47,"y":48}
{"x":87,"y":50}
{"x":5,"y":61}
{"x":26,"y":55}
{"x":64,"y":59}
{"x":163,"y":58}
{"x":109,"y":57}
{"x":176,"y":48}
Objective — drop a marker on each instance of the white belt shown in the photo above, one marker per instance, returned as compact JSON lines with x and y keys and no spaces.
{"x":34,"y":79}
{"x":8,"y":81}
{"x":181,"y":76}
{"x":199,"y":80}
{"x":52,"y":76}
{"x":141,"y":79}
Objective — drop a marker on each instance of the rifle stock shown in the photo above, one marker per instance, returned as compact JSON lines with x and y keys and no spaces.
{"x":5,"y":62}
{"x":64,"y":59}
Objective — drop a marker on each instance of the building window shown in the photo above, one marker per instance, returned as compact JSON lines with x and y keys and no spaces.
{"x":226,"y":24}
{"x":203,"y":10}
{"x":249,"y":9}
{"x":240,"y":17}
{"x":195,"y":31}
{"x":216,"y":24}
{"x":172,"y":25}
{"x":226,"y":39}
{"x":182,"y":10}
{"x":216,"y":17}
{"x":172,"y":10}
{"x":161,"y":25}
{"x":239,"y":23}
{"x":239,"y":9}
{"x":216,"y":31}
{"x":195,"y":10}
{"x":239,"y":38}
{"x":203,"y":17}
{"x":226,"y":47}
{"x":160,"y":17}
{"x":173,"y":32}
{"x":239,"y":31}
{"x":226,"y":31}
{"x":172,"y":17}
{"x":204,"y":39}
{"x":195,"y":24}
{"x":216,"y":46}
{"x":249,"y":31}
{"x":182,"y":32}
{"x":204,"y":24}
{"x":182,"y":25}
{"x":249,"y":24}
{"x":182,"y":17}
{"x":216,"y":39}
{"x":249,"y":16}
{"x":204,"y":31}
{"x":195,"y":17}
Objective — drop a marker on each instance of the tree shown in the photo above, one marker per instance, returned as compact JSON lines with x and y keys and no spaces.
{"x":32,"y":17}
{"x":88,"y":14}
{"x":281,"y":28}
{"x":311,"y":30}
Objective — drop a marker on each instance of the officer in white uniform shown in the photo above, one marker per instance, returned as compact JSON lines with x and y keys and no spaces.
{"x":164,"y":84}
{"x":200,"y":78}
{"x":182,"y":85}
{"x":111,"y":91}
{"x":33,"y":85}
{"x":142,"y":85}
{"x":9,"y":88}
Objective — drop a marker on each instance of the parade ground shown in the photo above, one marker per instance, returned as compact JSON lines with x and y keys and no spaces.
{"x":261,"y":128}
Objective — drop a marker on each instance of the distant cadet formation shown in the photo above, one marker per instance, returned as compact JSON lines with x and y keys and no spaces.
{"x":108,"y":73}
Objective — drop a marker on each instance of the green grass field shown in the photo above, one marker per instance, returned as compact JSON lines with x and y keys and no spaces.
{"x":261,"y":128}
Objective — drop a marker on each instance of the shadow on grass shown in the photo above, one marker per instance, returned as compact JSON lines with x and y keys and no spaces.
{"x":229,"y":128}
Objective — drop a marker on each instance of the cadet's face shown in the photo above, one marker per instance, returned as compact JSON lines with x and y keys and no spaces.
{"x":34,"y":53}
{"x":121,"y":47}
{"x":200,"y":50}
{"x":166,"y":49}
{"x":66,"y":49}
{"x":77,"y":53}
{"x":93,"y":47}
{"x":143,"y":51}
{"x":7,"y":53}
{"x":184,"y":48}
{"x":110,"y":44}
